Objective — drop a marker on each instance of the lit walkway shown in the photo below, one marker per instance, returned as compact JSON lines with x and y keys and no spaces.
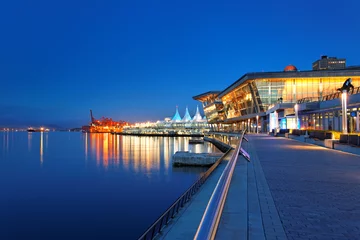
{"x":289,"y":190}
{"x":292,"y":190}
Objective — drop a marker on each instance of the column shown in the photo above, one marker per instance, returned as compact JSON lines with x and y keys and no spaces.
{"x":296,"y":116}
{"x":344,"y":111}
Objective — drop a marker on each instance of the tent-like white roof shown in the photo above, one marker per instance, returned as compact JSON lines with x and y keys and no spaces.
{"x":197,"y":117}
{"x":176,"y":117}
{"x":187,"y":117}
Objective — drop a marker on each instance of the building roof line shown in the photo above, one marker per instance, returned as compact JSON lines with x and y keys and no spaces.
{"x":290,"y":74}
{"x":205,"y":94}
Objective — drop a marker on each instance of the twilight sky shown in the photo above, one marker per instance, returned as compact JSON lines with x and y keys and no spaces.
{"x":138,"y":60}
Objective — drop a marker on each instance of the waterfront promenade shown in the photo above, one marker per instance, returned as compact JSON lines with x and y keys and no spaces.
{"x":289,"y":190}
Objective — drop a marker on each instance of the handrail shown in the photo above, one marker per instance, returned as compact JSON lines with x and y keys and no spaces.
{"x":328,"y":97}
{"x":211,"y":218}
{"x":157,"y":226}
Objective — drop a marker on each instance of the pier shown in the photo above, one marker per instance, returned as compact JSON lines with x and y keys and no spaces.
{"x":288,"y":190}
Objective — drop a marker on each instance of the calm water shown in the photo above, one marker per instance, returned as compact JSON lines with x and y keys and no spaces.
{"x":69,"y":185}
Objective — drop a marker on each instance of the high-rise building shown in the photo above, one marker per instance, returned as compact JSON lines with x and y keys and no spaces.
{"x":329,"y":63}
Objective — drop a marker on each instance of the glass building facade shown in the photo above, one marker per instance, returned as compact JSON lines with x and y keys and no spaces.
{"x":255,"y":94}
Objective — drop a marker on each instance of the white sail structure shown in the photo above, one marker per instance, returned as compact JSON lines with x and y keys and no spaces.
{"x":197,"y":117}
{"x":176,"y":117}
{"x":187,"y":117}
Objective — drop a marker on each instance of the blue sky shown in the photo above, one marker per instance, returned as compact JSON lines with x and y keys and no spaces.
{"x":138,"y":60}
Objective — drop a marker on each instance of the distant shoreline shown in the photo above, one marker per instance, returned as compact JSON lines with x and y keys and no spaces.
{"x":117,"y":133}
{"x":161,"y":134}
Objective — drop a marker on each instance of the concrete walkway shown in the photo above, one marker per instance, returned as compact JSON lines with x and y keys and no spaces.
{"x":294,"y":191}
{"x":289,"y":190}
{"x":249,"y":211}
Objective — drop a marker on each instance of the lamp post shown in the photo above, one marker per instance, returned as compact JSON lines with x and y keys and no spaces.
{"x":296,"y":107}
{"x":344,"y":111}
{"x":249,"y":129}
{"x":257,"y":123}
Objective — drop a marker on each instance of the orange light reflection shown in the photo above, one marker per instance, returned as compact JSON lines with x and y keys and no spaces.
{"x":137,"y":154}
{"x":41,"y":147}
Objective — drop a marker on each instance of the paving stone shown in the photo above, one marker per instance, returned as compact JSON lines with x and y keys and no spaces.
{"x":291,"y":190}
{"x":316,"y":190}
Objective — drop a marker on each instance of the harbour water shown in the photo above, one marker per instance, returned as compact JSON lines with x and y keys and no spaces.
{"x":71,"y":185}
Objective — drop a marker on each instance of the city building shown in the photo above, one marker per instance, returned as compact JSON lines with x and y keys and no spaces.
{"x":185,"y":125}
{"x":266,"y":101}
{"x":329,"y":63}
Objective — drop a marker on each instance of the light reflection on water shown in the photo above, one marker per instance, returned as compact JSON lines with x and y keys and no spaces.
{"x":94,"y":186}
{"x":41,"y":147}
{"x":137,"y":153}
{"x":29,"y":141}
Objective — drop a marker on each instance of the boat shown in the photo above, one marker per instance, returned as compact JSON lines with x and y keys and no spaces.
{"x":30,"y":129}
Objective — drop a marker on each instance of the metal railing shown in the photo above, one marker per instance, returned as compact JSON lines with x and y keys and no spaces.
{"x":211,"y":218}
{"x":329,"y":96}
{"x":338,"y":94}
{"x":158,"y":225}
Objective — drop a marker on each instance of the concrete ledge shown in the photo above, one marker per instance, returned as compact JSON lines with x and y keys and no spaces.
{"x":220,"y":145}
{"x":329,"y":143}
{"x":300,"y":138}
{"x":184,"y":158}
{"x":315,"y":141}
{"x":347,"y":148}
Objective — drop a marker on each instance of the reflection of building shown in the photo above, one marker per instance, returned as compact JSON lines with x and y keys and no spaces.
{"x":272,"y":96}
{"x":103,"y":147}
{"x":329,"y":63}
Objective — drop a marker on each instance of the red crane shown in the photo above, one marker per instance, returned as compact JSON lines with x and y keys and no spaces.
{"x":105,"y":124}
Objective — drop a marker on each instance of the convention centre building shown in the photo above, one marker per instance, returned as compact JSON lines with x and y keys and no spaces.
{"x":288,"y":99}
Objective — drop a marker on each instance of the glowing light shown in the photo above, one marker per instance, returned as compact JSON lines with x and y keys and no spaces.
{"x":248,"y":97}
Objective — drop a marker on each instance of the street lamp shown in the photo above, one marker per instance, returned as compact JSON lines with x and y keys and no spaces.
{"x":257,"y":123}
{"x":345,"y":89}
